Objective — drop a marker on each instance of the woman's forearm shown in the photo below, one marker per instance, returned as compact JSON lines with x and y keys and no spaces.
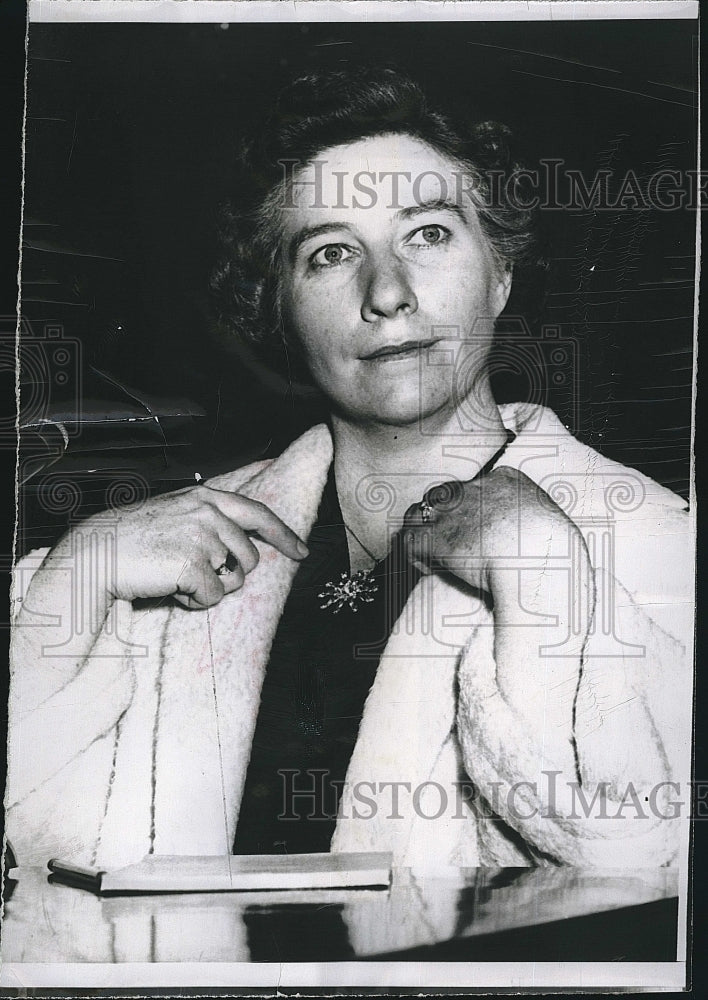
{"x":542,"y":615}
{"x":567,"y":744}
{"x":64,"y":693}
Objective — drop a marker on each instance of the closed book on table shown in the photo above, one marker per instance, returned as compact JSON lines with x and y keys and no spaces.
{"x":231,"y":873}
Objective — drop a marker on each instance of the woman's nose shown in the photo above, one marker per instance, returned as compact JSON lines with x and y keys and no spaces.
{"x":387,"y":292}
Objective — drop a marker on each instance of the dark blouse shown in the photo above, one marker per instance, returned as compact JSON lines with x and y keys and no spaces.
{"x":321,"y":667}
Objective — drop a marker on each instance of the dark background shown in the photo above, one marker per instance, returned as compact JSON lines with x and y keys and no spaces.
{"x":130,"y":135}
{"x":677,"y":69}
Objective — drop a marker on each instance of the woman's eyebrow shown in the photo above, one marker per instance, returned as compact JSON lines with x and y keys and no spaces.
{"x":309,"y":232}
{"x":434,"y":205}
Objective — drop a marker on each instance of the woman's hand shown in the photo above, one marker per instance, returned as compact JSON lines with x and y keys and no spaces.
{"x":504,"y":537}
{"x":486,"y":530}
{"x":192,"y":545}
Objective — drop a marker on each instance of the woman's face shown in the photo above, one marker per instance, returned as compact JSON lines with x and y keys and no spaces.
{"x":388,"y":281}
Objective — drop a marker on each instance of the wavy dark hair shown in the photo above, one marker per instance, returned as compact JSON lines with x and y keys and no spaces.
{"x":319,"y":111}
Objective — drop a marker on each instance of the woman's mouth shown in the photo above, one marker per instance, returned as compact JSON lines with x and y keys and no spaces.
{"x":400,"y":352}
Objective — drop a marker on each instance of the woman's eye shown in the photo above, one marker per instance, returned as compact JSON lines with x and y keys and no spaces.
{"x":331,"y":255}
{"x":428,"y":236}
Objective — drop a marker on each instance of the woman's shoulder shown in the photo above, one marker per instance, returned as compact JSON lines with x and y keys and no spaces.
{"x":648,"y":527}
{"x":308,"y":445}
{"x":235,"y":479}
{"x":571,"y":471}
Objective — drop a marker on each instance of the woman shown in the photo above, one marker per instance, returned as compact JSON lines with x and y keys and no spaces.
{"x":438,"y":674}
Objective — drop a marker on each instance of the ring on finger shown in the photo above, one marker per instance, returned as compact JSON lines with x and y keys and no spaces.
{"x":228,"y":565}
{"x":426,"y":512}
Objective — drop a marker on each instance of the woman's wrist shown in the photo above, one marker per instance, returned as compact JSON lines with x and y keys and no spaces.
{"x":548,"y":575}
{"x":74,"y":581}
{"x":542,"y":616}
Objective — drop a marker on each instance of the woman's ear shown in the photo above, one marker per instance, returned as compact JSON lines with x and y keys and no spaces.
{"x":503,"y":288}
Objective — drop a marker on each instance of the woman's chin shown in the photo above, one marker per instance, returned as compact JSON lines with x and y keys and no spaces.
{"x":393,"y":410}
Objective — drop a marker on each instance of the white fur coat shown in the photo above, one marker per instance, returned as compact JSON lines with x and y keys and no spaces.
{"x":145,"y":748}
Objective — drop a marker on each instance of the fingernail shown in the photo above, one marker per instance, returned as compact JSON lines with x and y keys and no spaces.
{"x":303,"y":549}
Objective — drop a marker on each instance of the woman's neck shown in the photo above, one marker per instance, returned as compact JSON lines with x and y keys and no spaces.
{"x":381,"y":470}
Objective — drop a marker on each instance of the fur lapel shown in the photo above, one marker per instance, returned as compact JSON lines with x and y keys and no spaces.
{"x":218,"y":658}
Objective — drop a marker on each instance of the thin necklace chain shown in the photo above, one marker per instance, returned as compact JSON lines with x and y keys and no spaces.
{"x":356,"y":538}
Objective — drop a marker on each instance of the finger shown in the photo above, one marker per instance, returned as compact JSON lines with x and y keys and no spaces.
{"x":445,"y":497}
{"x":251,"y":515}
{"x":236,"y":541}
{"x":419,"y":545}
{"x":199,"y":586}
{"x":418,"y":515}
{"x":187,"y":601}
{"x":229,"y":570}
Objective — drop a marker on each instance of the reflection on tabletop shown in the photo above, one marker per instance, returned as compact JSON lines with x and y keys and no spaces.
{"x":47,"y":922}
